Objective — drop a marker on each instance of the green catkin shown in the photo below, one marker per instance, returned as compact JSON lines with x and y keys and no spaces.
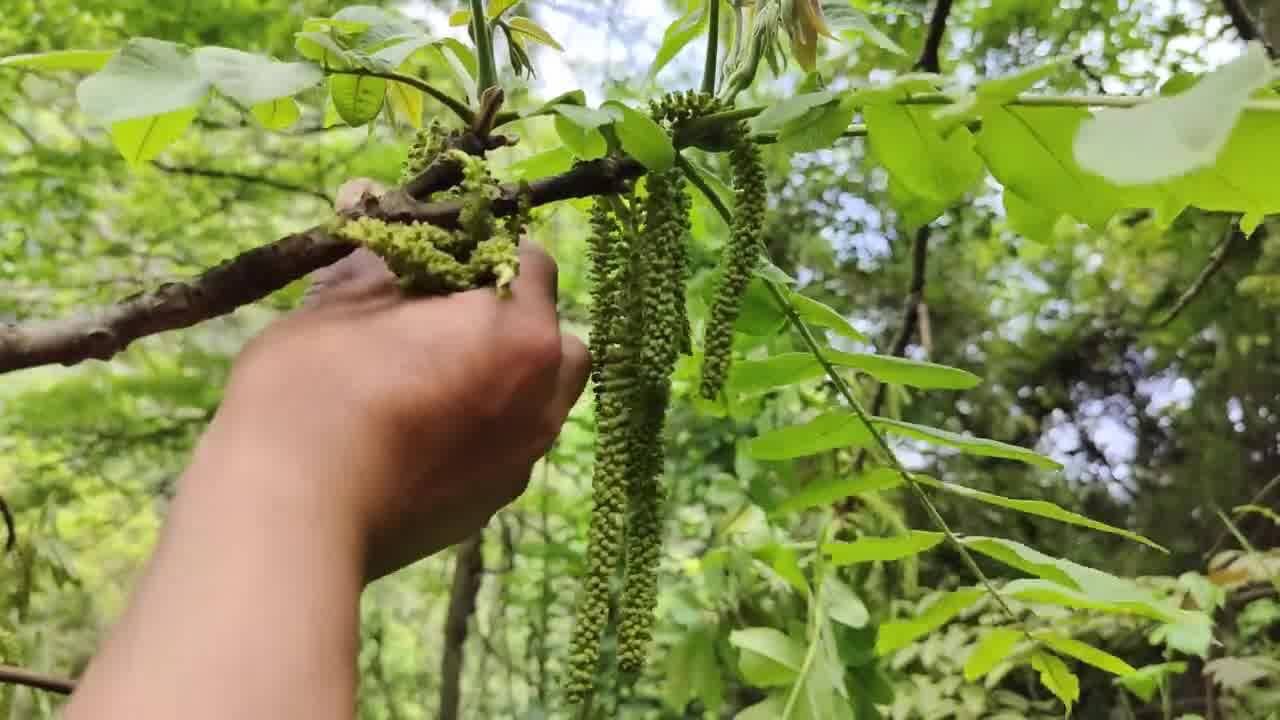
{"x":432,"y":260}
{"x":741,"y":258}
{"x":646,"y":500}
{"x":616,"y":385}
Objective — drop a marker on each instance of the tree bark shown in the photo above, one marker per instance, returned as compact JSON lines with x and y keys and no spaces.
{"x":468,"y":571}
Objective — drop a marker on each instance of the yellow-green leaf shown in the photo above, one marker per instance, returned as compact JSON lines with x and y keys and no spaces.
{"x":406,"y":102}
{"x":904,"y":371}
{"x":815,"y":313}
{"x":965,"y":443}
{"x":643,"y":138}
{"x":900,"y":633}
{"x":1057,"y":677}
{"x":1085,"y":652}
{"x":882,"y":549}
{"x":78,"y":60}
{"x":141,"y":139}
{"x":358,"y":98}
{"x":836,"y":429}
{"x":535,"y":31}
{"x":823,"y":493}
{"x":278,"y":114}
{"x":994,"y":647}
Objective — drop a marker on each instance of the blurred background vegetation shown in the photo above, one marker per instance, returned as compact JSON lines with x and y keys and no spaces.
{"x":1160,"y":425}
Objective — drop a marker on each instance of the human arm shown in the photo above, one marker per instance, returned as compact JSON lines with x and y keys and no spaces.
{"x":356,"y":436}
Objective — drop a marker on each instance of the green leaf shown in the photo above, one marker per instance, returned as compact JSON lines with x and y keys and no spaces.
{"x":817,"y":128}
{"x":1017,"y":555}
{"x":583,"y":143}
{"x":693,"y":672}
{"x":679,"y":34}
{"x":768,"y":658}
{"x":1027,"y":219}
{"x":902,"y":371}
{"x":547,"y":162}
{"x":396,"y":55}
{"x":497,"y":7}
{"x":1084,"y":652}
{"x":1029,"y":150}
{"x":829,"y":431}
{"x":278,"y":114}
{"x":358,"y":98}
{"x":584,"y":117}
{"x":911,"y":146}
{"x":380,"y":24}
{"x":757,"y":376}
{"x":900,"y":633}
{"x":79,"y":60}
{"x":784,"y":111}
{"x":914,"y":211}
{"x":147,"y":77}
{"x":1003,"y":89}
{"x":141,"y":139}
{"x":1191,"y":633}
{"x":994,"y":647}
{"x":1051,"y":593}
{"x":1145,"y":681}
{"x":1040,"y":508}
{"x":815,"y":313}
{"x":882,"y":549}
{"x":250,"y":79}
{"x":771,"y":708}
{"x":643,"y":138}
{"x":823,"y":493}
{"x":1171,"y":136}
{"x":407,"y":102}
{"x":842,"y":604}
{"x":965,"y":443}
{"x":760,"y":315}
{"x":844,"y":18}
{"x":535,"y":32}
{"x":322,"y":48}
{"x":1057,"y":677}
{"x":768,"y":271}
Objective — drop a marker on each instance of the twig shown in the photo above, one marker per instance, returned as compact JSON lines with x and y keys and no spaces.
{"x":11,"y":527}
{"x":928,"y":60}
{"x":713,"y":49}
{"x":486,"y":70}
{"x":468,"y":571}
{"x":1255,"y":500}
{"x":1216,"y":260}
{"x":1246,"y":26}
{"x":458,"y":107}
{"x":910,"y":308}
{"x":26,"y":678}
{"x":245,"y":178}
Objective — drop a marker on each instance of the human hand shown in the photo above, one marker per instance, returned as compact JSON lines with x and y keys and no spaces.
{"x":413,"y":419}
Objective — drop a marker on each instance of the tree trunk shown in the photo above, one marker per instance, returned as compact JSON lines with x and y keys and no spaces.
{"x":468,"y":569}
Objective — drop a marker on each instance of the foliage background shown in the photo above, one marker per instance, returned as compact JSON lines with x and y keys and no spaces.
{"x":1157,"y":426}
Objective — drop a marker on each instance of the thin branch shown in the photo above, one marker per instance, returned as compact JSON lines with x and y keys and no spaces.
{"x":18,"y":676}
{"x":1245,"y":24}
{"x":244,"y":178}
{"x":910,"y":308}
{"x":713,"y":49}
{"x":11,"y":527}
{"x":458,"y":107}
{"x":468,"y":572}
{"x":928,"y":60}
{"x":1216,"y":260}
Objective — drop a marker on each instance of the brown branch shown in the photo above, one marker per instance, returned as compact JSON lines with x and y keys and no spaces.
{"x":253,"y":275}
{"x":1245,"y":24}
{"x":26,"y":678}
{"x":1216,"y":260}
{"x":910,"y":308}
{"x":928,"y":60}
{"x":468,"y":572}
{"x":244,"y":178}
{"x":11,"y":527}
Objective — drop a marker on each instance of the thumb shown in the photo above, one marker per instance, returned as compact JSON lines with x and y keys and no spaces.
{"x":359,"y":271}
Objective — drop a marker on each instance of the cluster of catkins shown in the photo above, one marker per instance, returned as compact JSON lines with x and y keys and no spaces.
{"x":640,"y":326}
{"x":429,"y":259}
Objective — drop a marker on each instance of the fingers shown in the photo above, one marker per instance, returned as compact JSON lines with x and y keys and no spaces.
{"x":535,"y":288}
{"x":360,"y":272}
{"x":571,"y":379}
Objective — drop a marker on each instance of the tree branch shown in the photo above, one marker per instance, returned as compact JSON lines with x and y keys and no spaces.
{"x":26,"y":678}
{"x":928,"y":60}
{"x":1246,"y":26}
{"x":11,"y":527}
{"x":468,"y":572}
{"x":910,"y":308}
{"x":244,"y":178}
{"x":1217,"y":259}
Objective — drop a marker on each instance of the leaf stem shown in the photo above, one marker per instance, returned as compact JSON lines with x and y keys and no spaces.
{"x":485,"y":67}
{"x":713,"y":49}
{"x":458,"y":107}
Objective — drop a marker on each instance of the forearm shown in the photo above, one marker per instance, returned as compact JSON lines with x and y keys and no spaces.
{"x":250,"y":606}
